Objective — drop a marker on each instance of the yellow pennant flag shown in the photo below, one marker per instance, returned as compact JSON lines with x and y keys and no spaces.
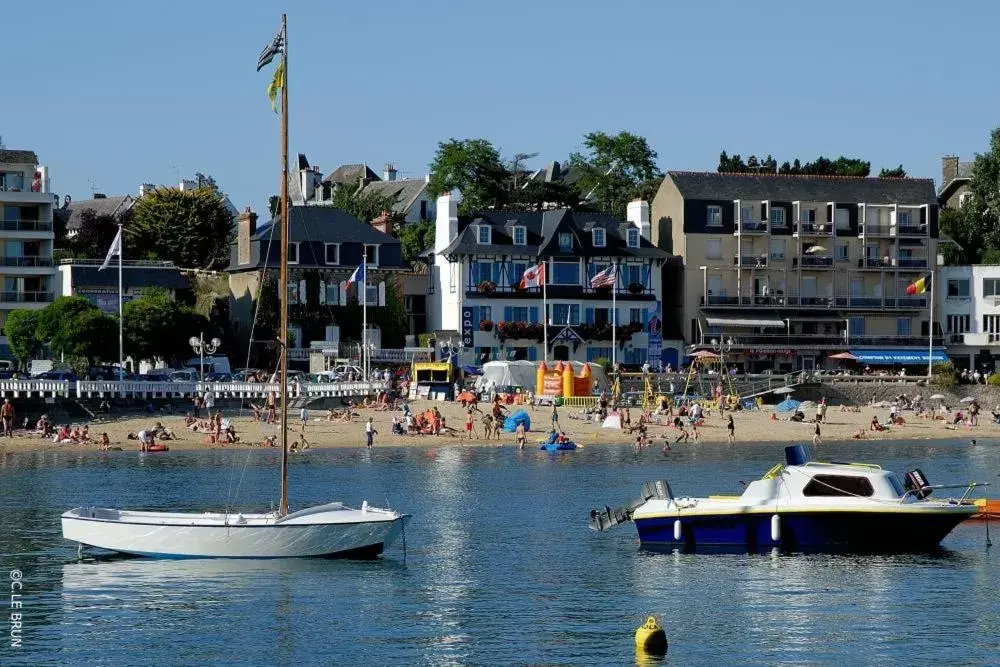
{"x":277,"y":83}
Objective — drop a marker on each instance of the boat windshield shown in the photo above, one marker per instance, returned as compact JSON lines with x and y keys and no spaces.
{"x":897,"y":484}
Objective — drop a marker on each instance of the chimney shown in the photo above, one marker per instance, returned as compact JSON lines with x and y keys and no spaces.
{"x":383,"y":223}
{"x":145,"y":189}
{"x":638,"y":214}
{"x":552,"y":172}
{"x":446,"y":224}
{"x":390,"y":173}
{"x":246,"y":227}
{"x":949,"y":169}
{"x":307,"y":183}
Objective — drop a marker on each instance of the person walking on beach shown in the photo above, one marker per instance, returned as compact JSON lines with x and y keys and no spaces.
{"x":303,"y":417}
{"x":816,"y":439}
{"x":470,"y":425}
{"x":821,"y":410}
{"x":731,"y":427}
{"x":197,"y":406}
{"x":7,"y":416}
{"x":519,"y":437}
{"x":555,"y":417}
{"x":370,"y":432}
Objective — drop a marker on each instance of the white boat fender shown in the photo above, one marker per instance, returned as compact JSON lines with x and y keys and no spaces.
{"x":364,"y":506}
{"x":677,"y":530}
{"x":775,"y":528}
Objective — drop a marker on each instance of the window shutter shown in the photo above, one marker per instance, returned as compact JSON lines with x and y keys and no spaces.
{"x":533,"y":315}
{"x":532,"y":353}
{"x":343,"y":293}
{"x":574,"y":314}
{"x":507,"y":313}
{"x":322,"y":292}
{"x":381,"y":293}
{"x":590,"y":316}
{"x":302,"y":292}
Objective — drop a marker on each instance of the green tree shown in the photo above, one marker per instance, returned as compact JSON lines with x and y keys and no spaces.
{"x":614,"y":167}
{"x":158,"y":327}
{"x":415,"y":238}
{"x":364,"y":204}
{"x":821,"y":166}
{"x":192,"y":228}
{"x":95,"y":236}
{"x":897,"y":172}
{"x":20,"y":329}
{"x":975,"y":227}
{"x":474,"y":167}
{"x":72,"y":326}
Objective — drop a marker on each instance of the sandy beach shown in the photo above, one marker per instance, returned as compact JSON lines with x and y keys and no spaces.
{"x":752,"y":426}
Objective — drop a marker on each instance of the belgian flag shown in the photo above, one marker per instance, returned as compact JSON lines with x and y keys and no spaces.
{"x":919,"y":286}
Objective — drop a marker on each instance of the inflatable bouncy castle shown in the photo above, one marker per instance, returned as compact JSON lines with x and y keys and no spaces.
{"x":560,"y":381}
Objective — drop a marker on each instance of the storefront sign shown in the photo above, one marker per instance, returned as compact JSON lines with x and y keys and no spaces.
{"x":467,"y":326}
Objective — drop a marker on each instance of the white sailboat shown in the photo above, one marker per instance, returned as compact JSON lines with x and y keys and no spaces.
{"x":329,"y":530}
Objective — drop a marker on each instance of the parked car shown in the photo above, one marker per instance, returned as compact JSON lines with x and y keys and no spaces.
{"x":156,"y":375}
{"x":184,"y":375}
{"x":220,"y":377}
{"x":108,"y":373}
{"x":58,"y":375}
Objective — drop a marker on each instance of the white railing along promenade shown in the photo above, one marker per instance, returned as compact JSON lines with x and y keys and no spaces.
{"x":144,"y":389}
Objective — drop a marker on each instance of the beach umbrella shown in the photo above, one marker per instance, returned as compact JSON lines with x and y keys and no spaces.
{"x":466,"y":396}
{"x":968,"y":399}
{"x":937,"y":397}
{"x":783,"y":390}
{"x":704,"y":354}
{"x":847,"y":356}
{"x":815,"y":249}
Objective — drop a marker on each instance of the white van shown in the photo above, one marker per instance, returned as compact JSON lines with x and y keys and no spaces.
{"x":216,"y":364}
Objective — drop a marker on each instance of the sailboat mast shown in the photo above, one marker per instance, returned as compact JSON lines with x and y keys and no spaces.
{"x":283,"y":279}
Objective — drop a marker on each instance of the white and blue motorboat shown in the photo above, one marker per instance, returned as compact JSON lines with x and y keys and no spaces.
{"x":800,"y":505}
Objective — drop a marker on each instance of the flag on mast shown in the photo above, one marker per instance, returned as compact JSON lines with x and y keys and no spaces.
{"x":919,"y":286}
{"x":276,"y":46}
{"x":605,"y":278}
{"x":114,"y":251}
{"x":533,"y":277}
{"x":358,"y":276}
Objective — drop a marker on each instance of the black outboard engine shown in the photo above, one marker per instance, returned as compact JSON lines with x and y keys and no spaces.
{"x":917,"y":483}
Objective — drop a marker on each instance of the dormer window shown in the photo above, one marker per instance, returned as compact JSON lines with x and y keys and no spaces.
{"x":484,"y":235}
{"x":520,"y":235}
{"x":597,"y":235}
{"x":566,"y":242}
{"x":633,"y":238}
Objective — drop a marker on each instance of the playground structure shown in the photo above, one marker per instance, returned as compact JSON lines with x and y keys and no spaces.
{"x":560,"y":382}
{"x":702,"y":362}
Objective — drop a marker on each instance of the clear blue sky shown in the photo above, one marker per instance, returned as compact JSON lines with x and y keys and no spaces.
{"x":124,"y":93}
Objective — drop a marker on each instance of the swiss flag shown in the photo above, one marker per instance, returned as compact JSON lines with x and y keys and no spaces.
{"x":533,"y":277}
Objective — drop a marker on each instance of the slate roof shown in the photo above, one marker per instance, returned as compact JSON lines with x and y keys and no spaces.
{"x":543,"y":228}
{"x":351,"y":173}
{"x":556,"y":173}
{"x":102,"y":206}
{"x":17,"y":157}
{"x":406,"y":191}
{"x":323,"y":224}
{"x":132,"y":276}
{"x":962,"y":176}
{"x":782,"y":187}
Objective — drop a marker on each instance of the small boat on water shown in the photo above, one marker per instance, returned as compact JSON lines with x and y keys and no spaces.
{"x":568,"y":446}
{"x":800,"y":505}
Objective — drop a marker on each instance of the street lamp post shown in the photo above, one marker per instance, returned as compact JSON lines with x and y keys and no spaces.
{"x":200,"y":347}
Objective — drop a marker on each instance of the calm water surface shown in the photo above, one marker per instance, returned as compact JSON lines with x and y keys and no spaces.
{"x":500,"y":569}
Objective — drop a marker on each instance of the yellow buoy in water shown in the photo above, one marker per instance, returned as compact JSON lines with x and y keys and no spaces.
{"x":650,"y":638}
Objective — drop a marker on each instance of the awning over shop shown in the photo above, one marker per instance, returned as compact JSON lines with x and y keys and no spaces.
{"x":903,"y":356}
{"x":742,"y":322}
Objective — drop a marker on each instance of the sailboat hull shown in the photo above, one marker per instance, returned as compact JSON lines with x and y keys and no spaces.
{"x":335,"y":532}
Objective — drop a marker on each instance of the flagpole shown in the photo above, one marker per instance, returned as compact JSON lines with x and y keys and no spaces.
{"x":283,"y":277}
{"x":364,"y":313}
{"x":545,"y":311}
{"x":614,"y":318}
{"x":930,"y":329}
{"x":121,"y":306}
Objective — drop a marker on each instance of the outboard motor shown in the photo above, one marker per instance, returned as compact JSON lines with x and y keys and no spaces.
{"x":917,"y":483}
{"x":796,"y":455}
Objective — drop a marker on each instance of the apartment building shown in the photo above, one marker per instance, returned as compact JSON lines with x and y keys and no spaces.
{"x":968,"y":310}
{"x":479,"y":260}
{"x":782,"y":271}
{"x":26,"y":205}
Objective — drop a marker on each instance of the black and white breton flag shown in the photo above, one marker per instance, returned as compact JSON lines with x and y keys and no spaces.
{"x":276,"y":46}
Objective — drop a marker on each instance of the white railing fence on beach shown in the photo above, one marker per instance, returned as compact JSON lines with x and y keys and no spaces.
{"x":142,"y":389}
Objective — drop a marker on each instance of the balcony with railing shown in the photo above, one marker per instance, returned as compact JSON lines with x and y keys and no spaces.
{"x":911,"y":230}
{"x":813,"y":261}
{"x":489,"y":290}
{"x":872,"y":230}
{"x":912,"y":263}
{"x":803,"y":340}
{"x":806,"y":228}
{"x":751,"y":228}
{"x":795,"y":300}
{"x":750,"y":261}
{"x":28,"y":261}
{"x":26,"y":226}
{"x":26,"y":297}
